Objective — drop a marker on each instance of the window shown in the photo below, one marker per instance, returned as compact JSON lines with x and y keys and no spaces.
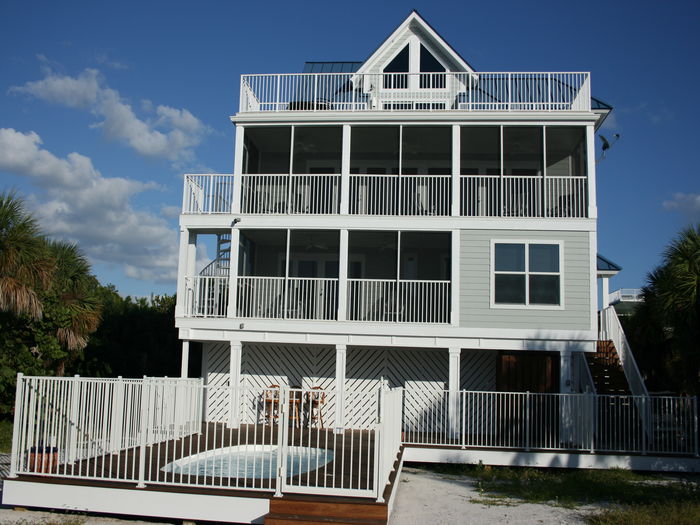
{"x":392,"y":78}
{"x":526,"y":274}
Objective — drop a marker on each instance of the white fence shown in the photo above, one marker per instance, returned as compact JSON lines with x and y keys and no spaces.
{"x":155,"y":432}
{"x":292,"y":298}
{"x":293,"y":194}
{"x":415,"y":195}
{"x":534,"y":421}
{"x":207,"y":193}
{"x":415,"y":92}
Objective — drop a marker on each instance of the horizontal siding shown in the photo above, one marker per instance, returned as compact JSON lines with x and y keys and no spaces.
{"x":475,"y":283}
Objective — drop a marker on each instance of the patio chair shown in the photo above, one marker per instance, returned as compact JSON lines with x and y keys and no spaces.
{"x":271,"y":400}
{"x":313,"y":402}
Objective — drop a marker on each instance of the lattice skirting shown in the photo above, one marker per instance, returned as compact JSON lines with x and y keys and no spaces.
{"x":307,"y":366}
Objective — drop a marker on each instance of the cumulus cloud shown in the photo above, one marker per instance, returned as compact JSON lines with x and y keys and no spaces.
{"x":76,"y":202}
{"x":686,"y":203}
{"x":169,"y":133}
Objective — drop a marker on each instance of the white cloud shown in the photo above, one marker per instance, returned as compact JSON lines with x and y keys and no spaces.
{"x":170,"y":212}
{"x":103,"y":58}
{"x":686,"y":203}
{"x":78,"y":203}
{"x":171,"y":134}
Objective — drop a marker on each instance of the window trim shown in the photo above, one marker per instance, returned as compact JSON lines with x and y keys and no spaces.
{"x":527,"y":273}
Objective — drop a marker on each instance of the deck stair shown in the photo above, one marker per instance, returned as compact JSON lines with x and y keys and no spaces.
{"x":606,"y":370}
{"x":307,"y":510}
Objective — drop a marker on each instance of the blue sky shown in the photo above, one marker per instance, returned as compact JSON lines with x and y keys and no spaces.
{"x":103,"y":106}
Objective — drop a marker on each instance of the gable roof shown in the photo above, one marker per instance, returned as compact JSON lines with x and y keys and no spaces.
{"x":415,"y":23}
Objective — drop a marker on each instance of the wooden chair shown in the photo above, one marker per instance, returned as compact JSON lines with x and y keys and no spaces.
{"x":271,"y":400}
{"x":314,"y":401}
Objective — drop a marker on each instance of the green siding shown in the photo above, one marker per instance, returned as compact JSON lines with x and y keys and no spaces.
{"x":475,"y":282}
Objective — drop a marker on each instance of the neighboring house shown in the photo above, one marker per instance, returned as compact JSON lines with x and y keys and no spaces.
{"x":405,"y":270}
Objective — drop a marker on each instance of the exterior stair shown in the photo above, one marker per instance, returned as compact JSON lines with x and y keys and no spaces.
{"x":320,"y":511}
{"x":606,"y":370}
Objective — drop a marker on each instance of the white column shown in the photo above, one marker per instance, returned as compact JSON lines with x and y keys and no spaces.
{"x":234,"y":383}
{"x":233,"y":272}
{"x":590,"y":162}
{"x":567,"y":407}
{"x":345,"y":172}
{"x":340,"y":361}
{"x":184,"y":363}
{"x":605,"y":300}
{"x":456,"y":174}
{"x":180,"y":307}
{"x":237,"y":170}
{"x":453,"y":387}
{"x":454,"y":277}
{"x":343,"y":276}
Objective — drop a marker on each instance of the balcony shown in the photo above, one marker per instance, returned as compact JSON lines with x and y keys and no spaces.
{"x":391,"y":195}
{"x":352,"y":92}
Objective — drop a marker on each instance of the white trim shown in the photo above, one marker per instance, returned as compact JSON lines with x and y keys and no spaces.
{"x":592,"y":246}
{"x":154,"y":503}
{"x":270,"y":118}
{"x":456,"y":170}
{"x":590,"y":167}
{"x":185,"y":359}
{"x":238,"y":168}
{"x":455,"y":276}
{"x":550,"y":459}
{"x":181,"y":295}
{"x":527,"y":306}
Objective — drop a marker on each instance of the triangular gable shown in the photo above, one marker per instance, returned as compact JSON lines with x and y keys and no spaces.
{"x":415,"y":26}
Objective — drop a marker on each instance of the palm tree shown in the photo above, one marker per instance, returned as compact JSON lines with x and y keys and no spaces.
{"x":73,"y":294}
{"x":670,"y":314}
{"x":25,"y":265}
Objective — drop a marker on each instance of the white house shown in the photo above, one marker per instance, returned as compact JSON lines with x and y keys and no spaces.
{"x":406,"y":269}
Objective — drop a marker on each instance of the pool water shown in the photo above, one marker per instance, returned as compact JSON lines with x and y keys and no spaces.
{"x":249,"y":461}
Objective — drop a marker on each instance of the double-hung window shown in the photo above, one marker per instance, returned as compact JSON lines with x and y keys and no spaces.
{"x":526,"y":274}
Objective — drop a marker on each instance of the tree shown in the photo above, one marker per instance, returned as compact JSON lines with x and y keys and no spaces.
{"x":25,"y":264}
{"x":666,"y":327}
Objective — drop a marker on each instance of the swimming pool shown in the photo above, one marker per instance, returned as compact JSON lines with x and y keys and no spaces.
{"x":249,"y":461}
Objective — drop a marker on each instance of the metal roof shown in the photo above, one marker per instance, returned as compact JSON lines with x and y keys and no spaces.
{"x":331,"y":67}
{"x":606,"y":265}
{"x":596,"y":103}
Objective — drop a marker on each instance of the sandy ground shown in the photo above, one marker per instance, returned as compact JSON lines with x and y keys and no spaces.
{"x":426,"y":497}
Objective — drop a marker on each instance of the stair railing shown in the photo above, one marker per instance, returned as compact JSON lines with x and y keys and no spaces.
{"x":611,"y":330}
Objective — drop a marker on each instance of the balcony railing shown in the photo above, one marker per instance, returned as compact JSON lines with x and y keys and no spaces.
{"x":416,"y":92}
{"x":403,"y":195}
{"x":293,"y":194}
{"x":313,"y":298}
{"x":400,"y":301}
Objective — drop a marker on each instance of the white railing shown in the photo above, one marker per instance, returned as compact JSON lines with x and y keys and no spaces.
{"x":610,"y":329}
{"x":293,"y":298}
{"x":295,"y":194}
{"x":625,"y":294}
{"x":390,"y":433}
{"x":398,"y":301}
{"x":416,"y":91}
{"x":307,"y":440}
{"x":206,"y":296}
{"x":207,"y":193}
{"x":534,"y":421}
{"x":523,"y":196}
{"x":416,"y":195}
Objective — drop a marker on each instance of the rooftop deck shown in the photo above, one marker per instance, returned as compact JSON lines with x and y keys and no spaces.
{"x":353,"y":92}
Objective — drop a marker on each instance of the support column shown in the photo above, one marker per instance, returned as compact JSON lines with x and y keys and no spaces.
{"x":343,"y":276}
{"x":455,"y":265}
{"x":182,"y":271}
{"x":567,"y":406}
{"x":184,"y":363}
{"x":234,"y":383}
{"x":456,"y":171}
{"x":591,"y":179}
{"x":605,"y":300}
{"x":238,"y":169}
{"x":340,"y":361}
{"x":345,"y":172}
{"x":453,"y":387}
{"x":233,"y":272}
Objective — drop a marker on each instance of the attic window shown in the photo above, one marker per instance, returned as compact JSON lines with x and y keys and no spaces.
{"x":430,"y":64}
{"x":398,"y":65}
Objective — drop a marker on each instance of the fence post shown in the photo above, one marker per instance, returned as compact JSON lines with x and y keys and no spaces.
{"x":644,"y":425}
{"x":19,"y":411}
{"x":282,"y":422}
{"x":117,"y":419}
{"x":594,"y":419}
{"x":378,"y":456}
{"x":695,"y":424}
{"x":527,"y":420}
{"x":72,"y":419}
{"x":144,"y":415}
